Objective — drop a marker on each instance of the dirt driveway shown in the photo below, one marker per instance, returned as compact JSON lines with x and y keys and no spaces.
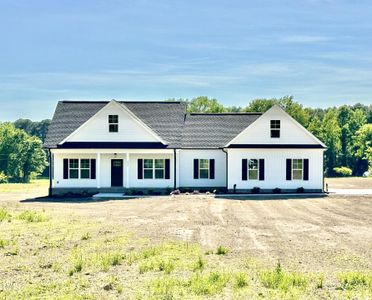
{"x":316,"y":234}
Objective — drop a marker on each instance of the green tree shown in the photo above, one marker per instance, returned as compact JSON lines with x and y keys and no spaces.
{"x":38,"y":129}
{"x":204,"y":104}
{"x":363,"y":145}
{"x":21,"y":155}
{"x":331,"y":132}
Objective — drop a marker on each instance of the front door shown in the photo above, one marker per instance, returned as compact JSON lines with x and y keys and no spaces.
{"x":116,"y":172}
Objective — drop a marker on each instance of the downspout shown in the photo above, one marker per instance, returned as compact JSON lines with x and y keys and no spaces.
{"x":50,"y":192}
{"x":227,"y":172}
{"x":175,"y":169}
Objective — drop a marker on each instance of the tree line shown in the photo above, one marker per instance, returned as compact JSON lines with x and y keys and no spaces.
{"x":346,"y":130}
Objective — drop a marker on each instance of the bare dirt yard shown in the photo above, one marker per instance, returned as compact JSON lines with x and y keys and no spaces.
{"x":349,"y":183}
{"x":323,"y":246}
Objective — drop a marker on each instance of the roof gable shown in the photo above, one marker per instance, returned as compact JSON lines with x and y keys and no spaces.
{"x":131,"y":128}
{"x":291,"y":132}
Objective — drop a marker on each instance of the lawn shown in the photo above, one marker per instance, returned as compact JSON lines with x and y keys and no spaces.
{"x":187,"y":247}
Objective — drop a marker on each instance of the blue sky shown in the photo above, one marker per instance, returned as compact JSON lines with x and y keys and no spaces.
{"x":318,"y":51}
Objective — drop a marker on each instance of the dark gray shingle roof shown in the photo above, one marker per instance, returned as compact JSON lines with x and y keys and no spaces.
{"x":168,"y":119}
{"x":214,"y":130}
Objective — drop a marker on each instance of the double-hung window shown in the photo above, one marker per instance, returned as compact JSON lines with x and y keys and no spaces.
{"x":204,"y":168}
{"x":297,"y":169}
{"x":73,"y":168}
{"x":153,"y":168}
{"x":275,"y":128}
{"x":113,"y":121}
{"x":253,"y":169}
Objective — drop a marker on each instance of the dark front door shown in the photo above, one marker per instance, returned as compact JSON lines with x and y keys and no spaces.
{"x":116,"y":172}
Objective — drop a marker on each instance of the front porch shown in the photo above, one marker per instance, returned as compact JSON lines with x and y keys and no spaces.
{"x":112,"y":170}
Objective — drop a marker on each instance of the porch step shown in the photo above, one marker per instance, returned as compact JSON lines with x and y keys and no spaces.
{"x":109,"y":195}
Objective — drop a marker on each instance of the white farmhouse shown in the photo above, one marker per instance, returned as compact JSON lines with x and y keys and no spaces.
{"x":157,"y":146}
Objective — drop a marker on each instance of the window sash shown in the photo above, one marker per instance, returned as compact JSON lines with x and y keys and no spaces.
{"x":297,"y":169}
{"x":113,"y":121}
{"x":204,"y":168}
{"x":275,"y":124}
{"x":253,"y":169}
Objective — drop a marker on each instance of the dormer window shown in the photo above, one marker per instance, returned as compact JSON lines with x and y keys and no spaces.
{"x":113,"y":121}
{"x":275,"y":128}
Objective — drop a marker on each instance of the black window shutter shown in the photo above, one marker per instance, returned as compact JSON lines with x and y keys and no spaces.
{"x":93,"y":169}
{"x":306,"y":169}
{"x":196,"y":169}
{"x":140,"y":168}
{"x":262,"y":169}
{"x":167,"y":168}
{"x":244,"y":168}
{"x":211,"y":169}
{"x":289,"y":169}
{"x":65,"y":168}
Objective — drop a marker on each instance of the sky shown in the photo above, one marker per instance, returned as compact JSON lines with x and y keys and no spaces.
{"x":319,"y":51}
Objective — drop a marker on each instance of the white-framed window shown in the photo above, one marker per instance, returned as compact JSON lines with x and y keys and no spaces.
{"x":204,"y":168}
{"x":85,"y":168}
{"x":113,"y":121}
{"x":253,"y":169}
{"x":297,"y":169}
{"x":275,"y":128}
{"x":79,"y":168}
{"x":153,"y":168}
{"x":73,"y":168}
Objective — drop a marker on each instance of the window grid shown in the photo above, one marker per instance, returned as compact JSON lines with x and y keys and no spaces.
{"x":297,"y":169}
{"x":113,"y":121}
{"x":253,"y":169}
{"x":153,"y":168}
{"x":79,"y":168}
{"x":204,"y":168}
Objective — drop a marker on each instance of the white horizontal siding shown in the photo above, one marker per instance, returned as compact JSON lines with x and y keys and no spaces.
{"x":186,"y":168}
{"x":275,"y":168}
{"x":97,"y":128}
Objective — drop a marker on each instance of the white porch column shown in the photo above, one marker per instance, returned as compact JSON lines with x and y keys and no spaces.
{"x":98,"y":170}
{"x":127,"y":164}
{"x":177,"y":168}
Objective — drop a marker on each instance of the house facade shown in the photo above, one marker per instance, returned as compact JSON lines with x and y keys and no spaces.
{"x":128,"y":146}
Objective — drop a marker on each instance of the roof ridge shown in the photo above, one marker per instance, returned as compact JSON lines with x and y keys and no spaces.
{"x":225,"y":113}
{"x":99,"y":101}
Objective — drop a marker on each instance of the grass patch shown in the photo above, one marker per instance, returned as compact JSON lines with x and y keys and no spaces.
{"x":199,"y":264}
{"x":221,"y":250}
{"x":30,"y":216}
{"x":240,"y":280}
{"x":110,"y":259}
{"x":4,"y":215}
{"x":76,"y":262}
{"x":278,"y":279}
{"x":355,"y":280}
{"x":86,"y":236}
{"x":208,"y":284}
{"x":3,"y":243}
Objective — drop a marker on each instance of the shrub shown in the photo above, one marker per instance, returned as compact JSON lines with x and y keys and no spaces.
{"x":342,"y":171}
{"x":221,"y":250}
{"x":256,"y":190}
{"x":277,"y":190}
{"x":300,"y":190}
{"x":3,"y":177}
{"x":240,"y":280}
{"x":4,"y":215}
{"x":32,"y":216}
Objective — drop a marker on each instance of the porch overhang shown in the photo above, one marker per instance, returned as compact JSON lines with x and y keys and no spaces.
{"x":112,"y":145}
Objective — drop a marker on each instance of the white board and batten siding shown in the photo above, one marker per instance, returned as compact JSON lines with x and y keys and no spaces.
{"x":275,"y":168}
{"x":186,"y":168}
